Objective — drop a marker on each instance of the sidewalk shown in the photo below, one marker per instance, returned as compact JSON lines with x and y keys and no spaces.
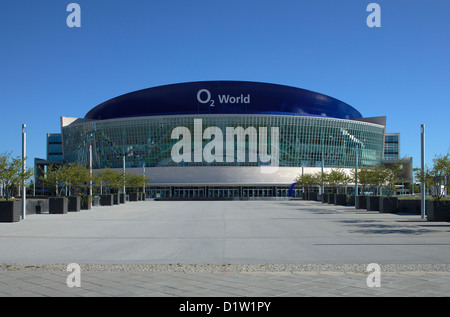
{"x":225,"y":248}
{"x":52,"y":283}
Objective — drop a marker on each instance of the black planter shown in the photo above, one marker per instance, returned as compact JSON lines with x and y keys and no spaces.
{"x":10,"y":211}
{"x":115,"y":199}
{"x":133,"y":197}
{"x":340,"y":199}
{"x":106,"y":200}
{"x":361,"y":202}
{"x":438,"y":210}
{"x":74,"y":204}
{"x":410,"y":206}
{"x":58,"y":205}
{"x":324,"y":198}
{"x":312,"y":196}
{"x":122,"y":198}
{"x":373,"y":203}
{"x":388,"y":204}
{"x":37,"y":206}
{"x":86,"y":203}
{"x":330,"y":198}
{"x":350,"y":200}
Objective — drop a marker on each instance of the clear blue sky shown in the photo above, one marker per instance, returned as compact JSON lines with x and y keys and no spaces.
{"x":401,"y":70}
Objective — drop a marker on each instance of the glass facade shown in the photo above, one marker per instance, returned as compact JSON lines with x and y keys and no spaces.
{"x":54,"y":148}
{"x":221,"y":191}
{"x":302,"y":141}
{"x":392,"y":147}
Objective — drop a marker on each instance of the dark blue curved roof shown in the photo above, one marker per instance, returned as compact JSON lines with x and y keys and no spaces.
{"x":223,"y":97}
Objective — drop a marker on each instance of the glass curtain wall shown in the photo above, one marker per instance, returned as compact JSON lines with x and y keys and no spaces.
{"x":303,"y":141}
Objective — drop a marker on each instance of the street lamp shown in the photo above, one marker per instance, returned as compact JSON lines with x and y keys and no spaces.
{"x":124,"y":174}
{"x":143,"y":174}
{"x":356,"y":172}
{"x":90,"y":173}
{"x":422,"y":142}
{"x":24,"y":154}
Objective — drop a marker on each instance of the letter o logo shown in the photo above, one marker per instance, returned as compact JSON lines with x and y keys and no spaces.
{"x":199,"y":96}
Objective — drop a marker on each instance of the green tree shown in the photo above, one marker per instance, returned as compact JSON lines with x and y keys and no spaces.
{"x":379,"y":177}
{"x":309,"y":180}
{"x":441,"y":174}
{"x":135,"y":181}
{"x":436,"y":177}
{"x":109,"y":178}
{"x":393,"y":174}
{"x":374,"y":177}
{"x":365,"y":175}
{"x":12,"y":174}
{"x":336,"y":177}
{"x":75,"y":177}
{"x":53,"y":177}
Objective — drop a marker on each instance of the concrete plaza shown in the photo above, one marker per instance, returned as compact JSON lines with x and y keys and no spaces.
{"x":225,"y":248}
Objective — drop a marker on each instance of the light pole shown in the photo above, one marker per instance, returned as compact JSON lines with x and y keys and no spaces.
{"x":124,"y":174}
{"x":322,"y":191}
{"x":24,"y":154}
{"x":143,"y":174}
{"x":356,"y":172}
{"x":422,"y":156}
{"x":90,"y":173}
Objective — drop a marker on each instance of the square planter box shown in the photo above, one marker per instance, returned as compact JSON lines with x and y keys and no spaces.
{"x":340,"y":199}
{"x":86,"y":203}
{"x":133,"y":196}
{"x":410,"y":206}
{"x":437,"y":210}
{"x":330,"y":198}
{"x":319,"y":197}
{"x":373,"y":203}
{"x":115,"y":199}
{"x":361,"y":202}
{"x":37,"y":206}
{"x":312,"y":196}
{"x":10,"y":211}
{"x":350,"y":200}
{"x":74,"y":203}
{"x":324,"y":198}
{"x":122,"y":198}
{"x":58,"y":205}
{"x":388,"y":204}
{"x":106,"y":200}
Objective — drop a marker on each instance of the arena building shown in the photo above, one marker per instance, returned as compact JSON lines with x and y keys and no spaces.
{"x":223,"y":138}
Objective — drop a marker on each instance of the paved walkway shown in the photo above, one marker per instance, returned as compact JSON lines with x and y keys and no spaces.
{"x":201,"y":249}
{"x":24,"y":282}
